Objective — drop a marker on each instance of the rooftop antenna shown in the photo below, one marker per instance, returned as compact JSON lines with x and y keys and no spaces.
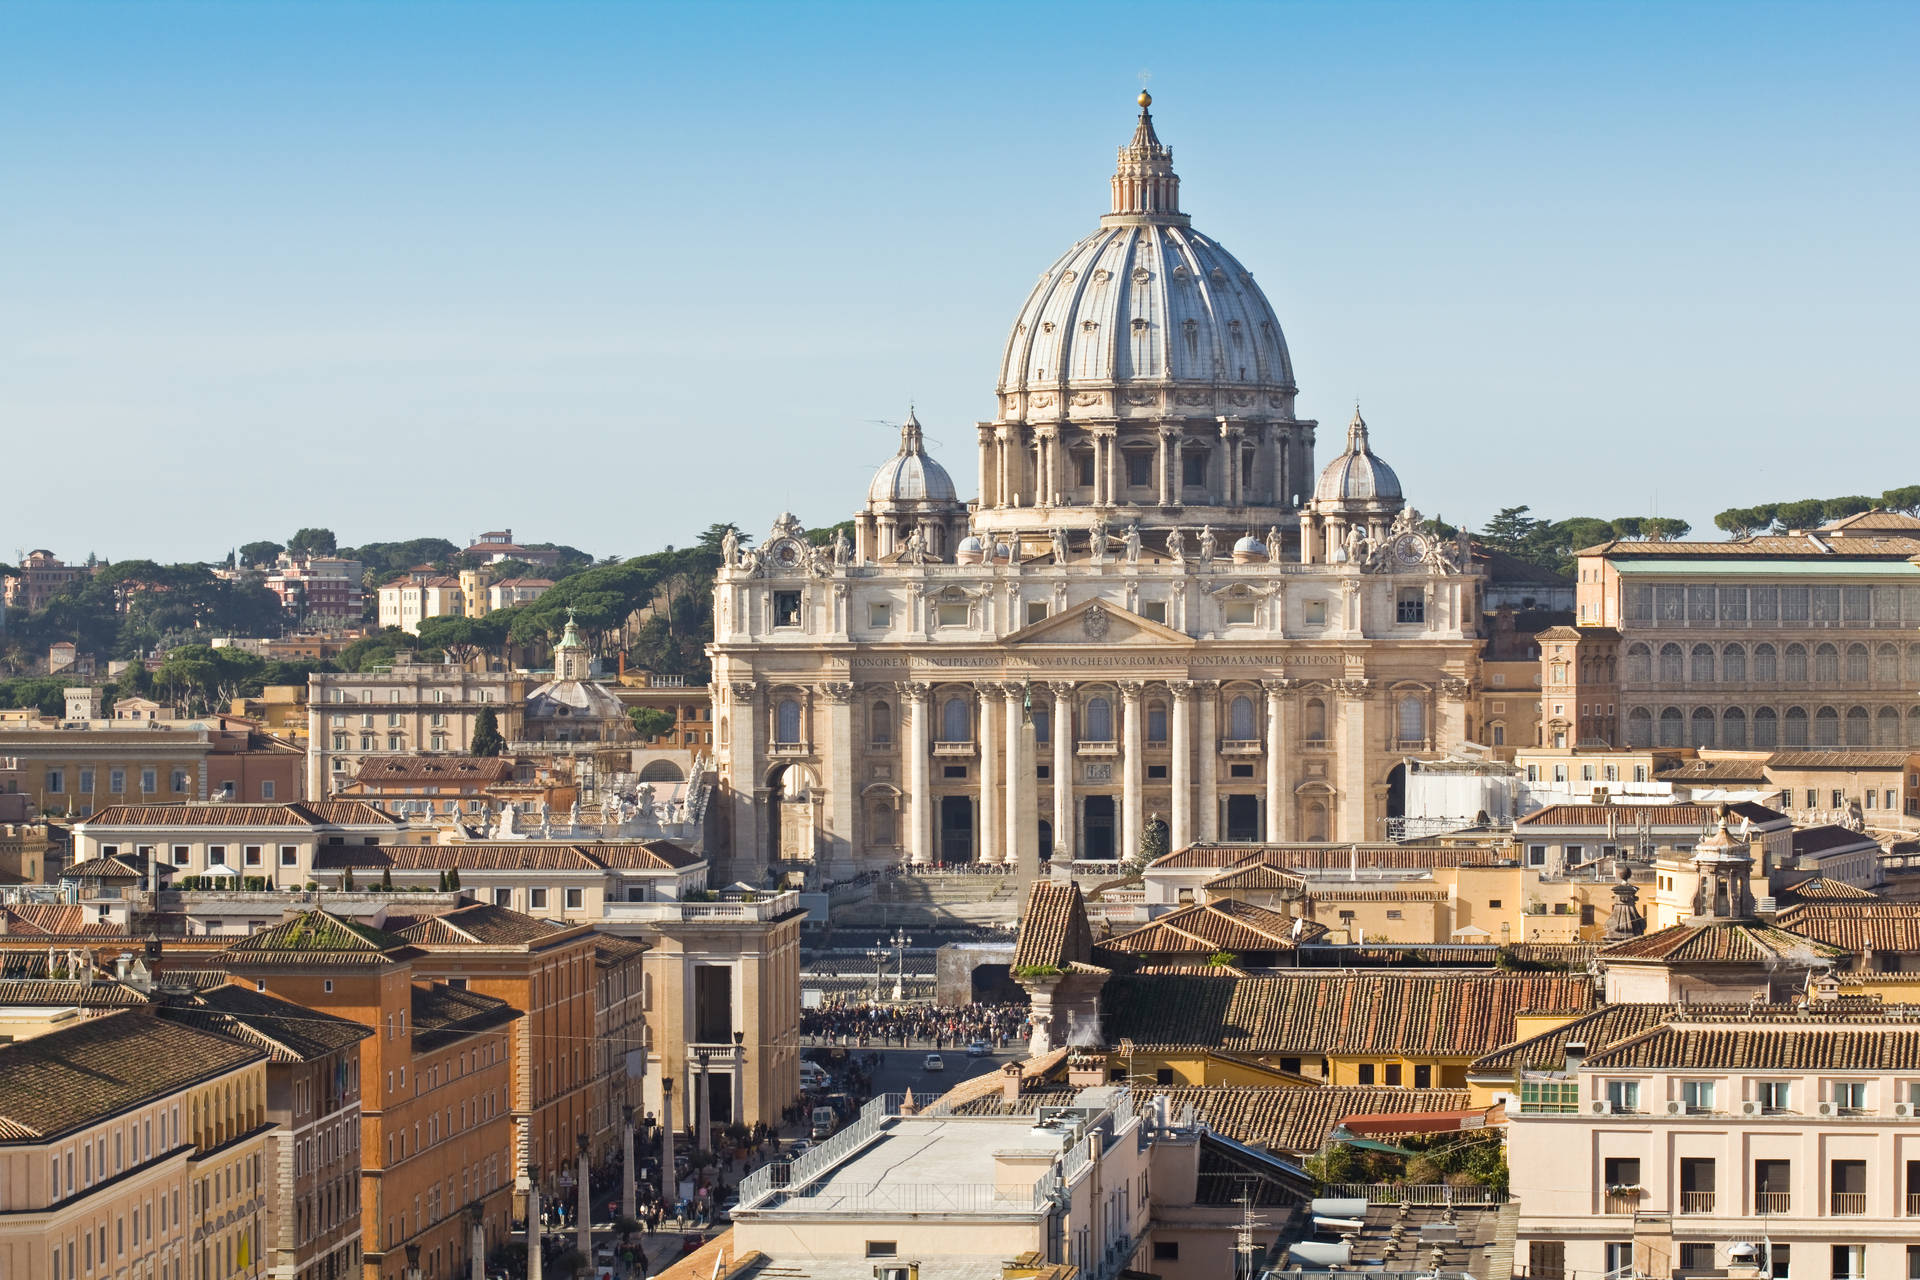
{"x":1244,"y":1246}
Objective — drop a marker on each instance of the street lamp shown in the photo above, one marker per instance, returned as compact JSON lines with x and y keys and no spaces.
{"x":900,"y":944}
{"x":879,"y":957}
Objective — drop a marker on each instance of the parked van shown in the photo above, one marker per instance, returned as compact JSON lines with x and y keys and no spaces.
{"x":814,"y":1076}
{"x":823,"y":1122}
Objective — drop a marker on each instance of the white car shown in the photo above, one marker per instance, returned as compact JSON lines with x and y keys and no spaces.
{"x":933,"y":1062}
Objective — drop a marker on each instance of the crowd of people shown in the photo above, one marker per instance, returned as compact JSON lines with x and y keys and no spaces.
{"x":862,"y":1023}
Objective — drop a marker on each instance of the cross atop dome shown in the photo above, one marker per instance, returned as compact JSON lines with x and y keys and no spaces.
{"x":1144,"y":183}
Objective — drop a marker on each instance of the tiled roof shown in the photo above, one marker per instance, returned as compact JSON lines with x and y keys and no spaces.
{"x":1222,"y":925}
{"x":443,"y":1014}
{"x":1323,"y":891}
{"x":1436,"y":1015}
{"x":1321,"y":857}
{"x":1753,"y":771}
{"x":646,"y":855}
{"x":338,"y":857}
{"x":1876,"y":518}
{"x":1847,"y":760}
{"x":115,"y":868}
{"x":316,"y":813}
{"x":46,"y":993}
{"x":319,"y":936}
{"x":1720,"y":942}
{"x":1809,"y":842}
{"x":611,"y":949}
{"x":529,"y":856}
{"x":1857,"y":926}
{"x":1036,"y":1068}
{"x":1053,"y":930}
{"x":1627,"y":816}
{"x":55,"y":919}
{"x":81,"y":1074}
{"x":1794,"y":1043}
{"x":1823,"y":889}
{"x":288,"y":1032}
{"x":1257,"y":877}
{"x":479,"y":770}
{"x":1775,"y":546}
{"x":1298,"y":1120}
{"x":482,"y":924}
{"x":1599,"y":1030}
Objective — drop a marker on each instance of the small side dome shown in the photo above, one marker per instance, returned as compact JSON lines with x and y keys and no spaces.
{"x":970,"y":551}
{"x":1357,"y":475}
{"x":911,"y":476}
{"x":1248,"y":550}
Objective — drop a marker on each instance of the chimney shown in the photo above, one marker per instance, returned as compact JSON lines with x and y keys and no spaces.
{"x":1086,"y":1070}
{"x":121,"y":964}
{"x":1010,"y":1082}
{"x":1576,"y":1052}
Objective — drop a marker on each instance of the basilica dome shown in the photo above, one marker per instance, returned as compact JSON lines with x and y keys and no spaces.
{"x":1146,"y":316}
{"x":1358,"y":475}
{"x":911,"y":477}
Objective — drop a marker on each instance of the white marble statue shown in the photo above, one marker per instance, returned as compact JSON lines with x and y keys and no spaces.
{"x":1059,"y":545}
{"x":1133,"y":544}
{"x":1177,"y":546}
{"x":1206,"y":543}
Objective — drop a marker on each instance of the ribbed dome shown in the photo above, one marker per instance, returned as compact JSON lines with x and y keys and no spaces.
{"x":1357,"y":475}
{"x":1250,"y":545}
{"x":911,"y":476}
{"x":1142,"y":305}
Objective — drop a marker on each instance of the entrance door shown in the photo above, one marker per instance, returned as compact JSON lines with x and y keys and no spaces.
{"x":956,"y":829}
{"x":1097,"y":840}
{"x":1243,"y":819}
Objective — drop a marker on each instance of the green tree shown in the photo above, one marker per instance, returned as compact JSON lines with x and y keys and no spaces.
{"x":1665,"y":528}
{"x":459,"y":637}
{"x":1841,"y":508}
{"x":313,"y":542}
{"x":374,"y":650}
{"x":1741,"y":522}
{"x":1153,"y":841}
{"x":1905,"y":500}
{"x":714,"y":534}
{"x":1510,"y":528}
{"x":259,"y":553}
{"x":650,"y":722}
{"x":486,"y":735}
{"x":1807,"y":513}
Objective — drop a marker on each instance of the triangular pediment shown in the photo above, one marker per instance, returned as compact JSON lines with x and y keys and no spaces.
{"x":1099,"y":622}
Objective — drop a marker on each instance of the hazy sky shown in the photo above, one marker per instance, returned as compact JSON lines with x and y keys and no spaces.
{"x":607,"y":273}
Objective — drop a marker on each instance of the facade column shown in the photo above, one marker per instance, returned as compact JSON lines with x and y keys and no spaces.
{"x":1022,"y":817}
{"x":1179,"y":466}
{"x":739,"y":1078}
{"x":703,"y":1105}
{"x":1281,"y":444}
{"x":1113,"y":467}
{"x":666,"y":1134}
{"x":629,"y":1191}
{"x":744,"y":757}
{"x":1059,"y":458}
{"x":583,"y":1200}
{"x":1162,"y":481}
{"x":1132,"y":779}
{"x":919,"y":774}
{"x":1209,"y":825}
{"x":1063,"y":839}
{"x":842,"y":802}
{"x":1277,"y":805}
{"x":985,"y":433}
{"x":476,"y":1242}
{"x":987,"y":742}
{"x":1182,"y":771}
{"x":535,"y":1236}
{"x":1003,"y":482}
{"x":1356,"y":787}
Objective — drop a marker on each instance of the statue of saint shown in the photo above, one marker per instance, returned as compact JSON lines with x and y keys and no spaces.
{"x":839,"y":546}
{"x":1177,"y":546}
{"x":1059,"y":546}
{"x":1206,"y":543}
{"x":1133,"y":544}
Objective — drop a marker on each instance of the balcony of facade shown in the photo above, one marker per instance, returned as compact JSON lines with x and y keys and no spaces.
{"x":956,"y":750}
{"x":1097,"y":749}
{"x":1241,"y":746}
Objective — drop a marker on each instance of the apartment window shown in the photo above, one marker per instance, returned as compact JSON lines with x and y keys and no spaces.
{"x":1697,"y":1096}
{"x":266,"y":789}
{"x":289,"y":855}
{"x":1163,"y":1251}
{"x":366,"y":721}
{"x":1547,"y":1259}
{"x":86,"y":782}
{"x":1772,"y":1186}
{"x":576,"y":898}
{"x":1696,"y":1256}
{"x":882,"y":1248}
{"x":536,"y":899}
{"x":1622,"y":1173}
{"x":1366,"y":1073}
{"x":1393,"y":1073}
{"x":1410,"y":605}
{"x":1849,"y":1180}
{"x":786,"y":608}
{"x":1639,"y":773}
{"x":117,"y":781}
{"x":251,"y":855}
{"x":180,"y":855}
{"x":1849,"y":1262}
{"x":56,"y":781}
{"x":1850,"y":1097}
{"x":1776,"y":1096}
{"x":503,"y":897}
{"x":216,"y":855}
{"x":880,"y":615}
{"x":1624,"y":1095}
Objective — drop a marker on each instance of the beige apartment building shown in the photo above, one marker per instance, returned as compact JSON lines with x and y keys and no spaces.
{"x":1787,"y":641}
{"x":133,"y":1146}
{"x":278,"y":843}
{"x":410,"y":708}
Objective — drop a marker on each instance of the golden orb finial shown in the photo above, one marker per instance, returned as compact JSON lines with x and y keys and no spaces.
{"x":1146,"y":99}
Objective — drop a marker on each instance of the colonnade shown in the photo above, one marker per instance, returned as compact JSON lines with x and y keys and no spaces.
{"x":1033,"y":467}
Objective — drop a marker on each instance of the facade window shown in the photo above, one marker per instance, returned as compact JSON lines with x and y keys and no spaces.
{"x":1083,"y":469}
{"x":576,"y":899}
{"x":880,"y":725}
{"x":786,"y":608}
{"x":879,"y":615}
{"x":56,"y":781}
{"x":1139,"y":469}
{"x":786,"y":727}
{"x":1240,"y":613}
{"x":1042,"y":725}
{"x":1412,"y":717}
{"x":1193,"y":467}
{"x":1410,"y":605}
{"x":951,"y":613}
{"x":250,"y":855}
{"x":1156,"y":722}
{"x":1034,"y":611}
{"x":1241,"y":726}
{"x":1697,"y":1096}
{"x":1099,"y":721}
{"x":1850,"y":1097}
{"x":86,"y":782}
{"x":1154,"y":611}
{"x":956,"y":720}
{"x":1624,"y":1095}
{"x":536,"y":899}
{"x":1314,"y":720}
{"x":289,"y":855}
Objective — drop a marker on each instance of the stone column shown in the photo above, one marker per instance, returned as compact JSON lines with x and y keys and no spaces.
{"x":842,"y":790}
{"x":583,"y":1196}
{"x":703,"y":1104}
{"x":1209,"y":824}
{"x":744,"y":756}
{"x":919,"y":774}
{"x":1003,"y":481}
{"x":1181,"y":834}
{"x":1179,"y":467}
{"x":985,"y":433}
{"x":1133,"y":777}
{"x":1281,"y":443}
{"x":666,"y":1132}
{"x":1021,"y":850}
{"x":988,"y":743}
{"x":1352,"y":821}
{"x":629,"y":1191}
{"x":1276,"y":756}
{"x":1113,"y":467}
{"x":1063,"y":841}
{"x":476,"y":1242}
{"x":1163,"y":481}
{"x":535,"y":1236}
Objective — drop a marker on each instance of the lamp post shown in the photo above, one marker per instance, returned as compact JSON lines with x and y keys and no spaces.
{"x":879,"y":957}
{"x":583,"y":1229}
{"x":666,"y":1141}
{"x":629,"y":1198}
{"x":900,"y":942}
{"x":535,"y":1236}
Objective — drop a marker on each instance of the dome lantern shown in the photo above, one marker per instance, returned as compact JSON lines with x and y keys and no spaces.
{"x":1358,"y":476}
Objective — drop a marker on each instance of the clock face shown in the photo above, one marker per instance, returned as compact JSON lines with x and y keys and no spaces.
{"x":786,"y":554}
{"x":1409,"y":548}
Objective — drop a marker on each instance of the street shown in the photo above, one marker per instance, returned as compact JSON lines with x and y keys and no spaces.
{"x":901,"y":1069}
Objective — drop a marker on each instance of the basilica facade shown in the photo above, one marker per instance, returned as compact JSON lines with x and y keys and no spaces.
{"x":1154,"y":611}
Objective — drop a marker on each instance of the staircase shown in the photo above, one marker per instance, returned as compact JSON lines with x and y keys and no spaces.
{"x":937,"y":900}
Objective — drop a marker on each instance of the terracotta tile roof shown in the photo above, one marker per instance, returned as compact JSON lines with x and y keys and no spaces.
{"x":79,"y":1075}
{"x":482,"y":924}
{"x":646,"y":855}
{"x":1223,"y":925}
{"x":1257,"y":877}
{"x":1298,"y":1120}
{"x":1810,"y":842}
{"x":1753,"y":771}
{"x":1848,"y":760}
{"x":611,"y":949}
{"x":1888,"y":1040}
{"x":317,"y":936}
{"x":989,"y":1083}
{"x":1601,"y":1029}
{"x":1823,"y":889}
{"x":444,"y":1014}
{"x":529,"y":856}
{"x":44,"y":993}
{"x":1323,"y":891}
{"x":478,"y":770}
{"x":1720,"y":942}
{"x":338,"y":857}
{"x":1053,"y":929}
{"x":1857,"y":926}
{"x":1627,"y":816}
{"x":305,"y":813}
{"x":1321,"y":857}
{"x":55,"y":919}
{"x":1433,"y":1015}
{"x":1876,"y":518}
{"x":287,"y":1032}
{"x":1768,"y":546}
{"x":115,"y":868}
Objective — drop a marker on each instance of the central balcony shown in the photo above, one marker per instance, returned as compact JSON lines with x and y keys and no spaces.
{"x":955,"y":750}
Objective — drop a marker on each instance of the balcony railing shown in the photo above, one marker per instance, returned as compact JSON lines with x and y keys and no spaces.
{"x":1417,"y":1193}
{"x":1849,"y":1204}
{"x":1913,"y":1204}
{"x":955,"y":748}
{"x":1622,"y":1204}
{"x":1240,"y":747}
{"x":1771,"y":1202}
{"x":1088,"y":747}
{"x":1696,"y":1202}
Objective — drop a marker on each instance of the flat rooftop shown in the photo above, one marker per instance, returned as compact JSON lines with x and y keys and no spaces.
{"x":926,"y":1164}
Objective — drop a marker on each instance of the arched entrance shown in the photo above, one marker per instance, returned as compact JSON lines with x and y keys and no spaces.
{"x":1397,"y":791}
{"x":790,"y":814}
{"x":662,"y":771}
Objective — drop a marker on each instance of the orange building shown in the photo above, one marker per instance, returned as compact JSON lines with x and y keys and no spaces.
{"x":435,"y":1083}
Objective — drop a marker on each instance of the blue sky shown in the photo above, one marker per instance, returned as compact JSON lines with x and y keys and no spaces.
{"x":608,"y":272}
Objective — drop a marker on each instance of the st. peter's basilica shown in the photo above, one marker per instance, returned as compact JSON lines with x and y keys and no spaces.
{"x":1152,"y":612}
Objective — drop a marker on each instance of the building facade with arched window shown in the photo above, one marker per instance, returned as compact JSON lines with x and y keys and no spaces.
{"x":1155,"y":608}
{"x":1797,"y":641}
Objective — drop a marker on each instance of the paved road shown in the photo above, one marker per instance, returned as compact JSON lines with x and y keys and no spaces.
{"x":902,"y":1069}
